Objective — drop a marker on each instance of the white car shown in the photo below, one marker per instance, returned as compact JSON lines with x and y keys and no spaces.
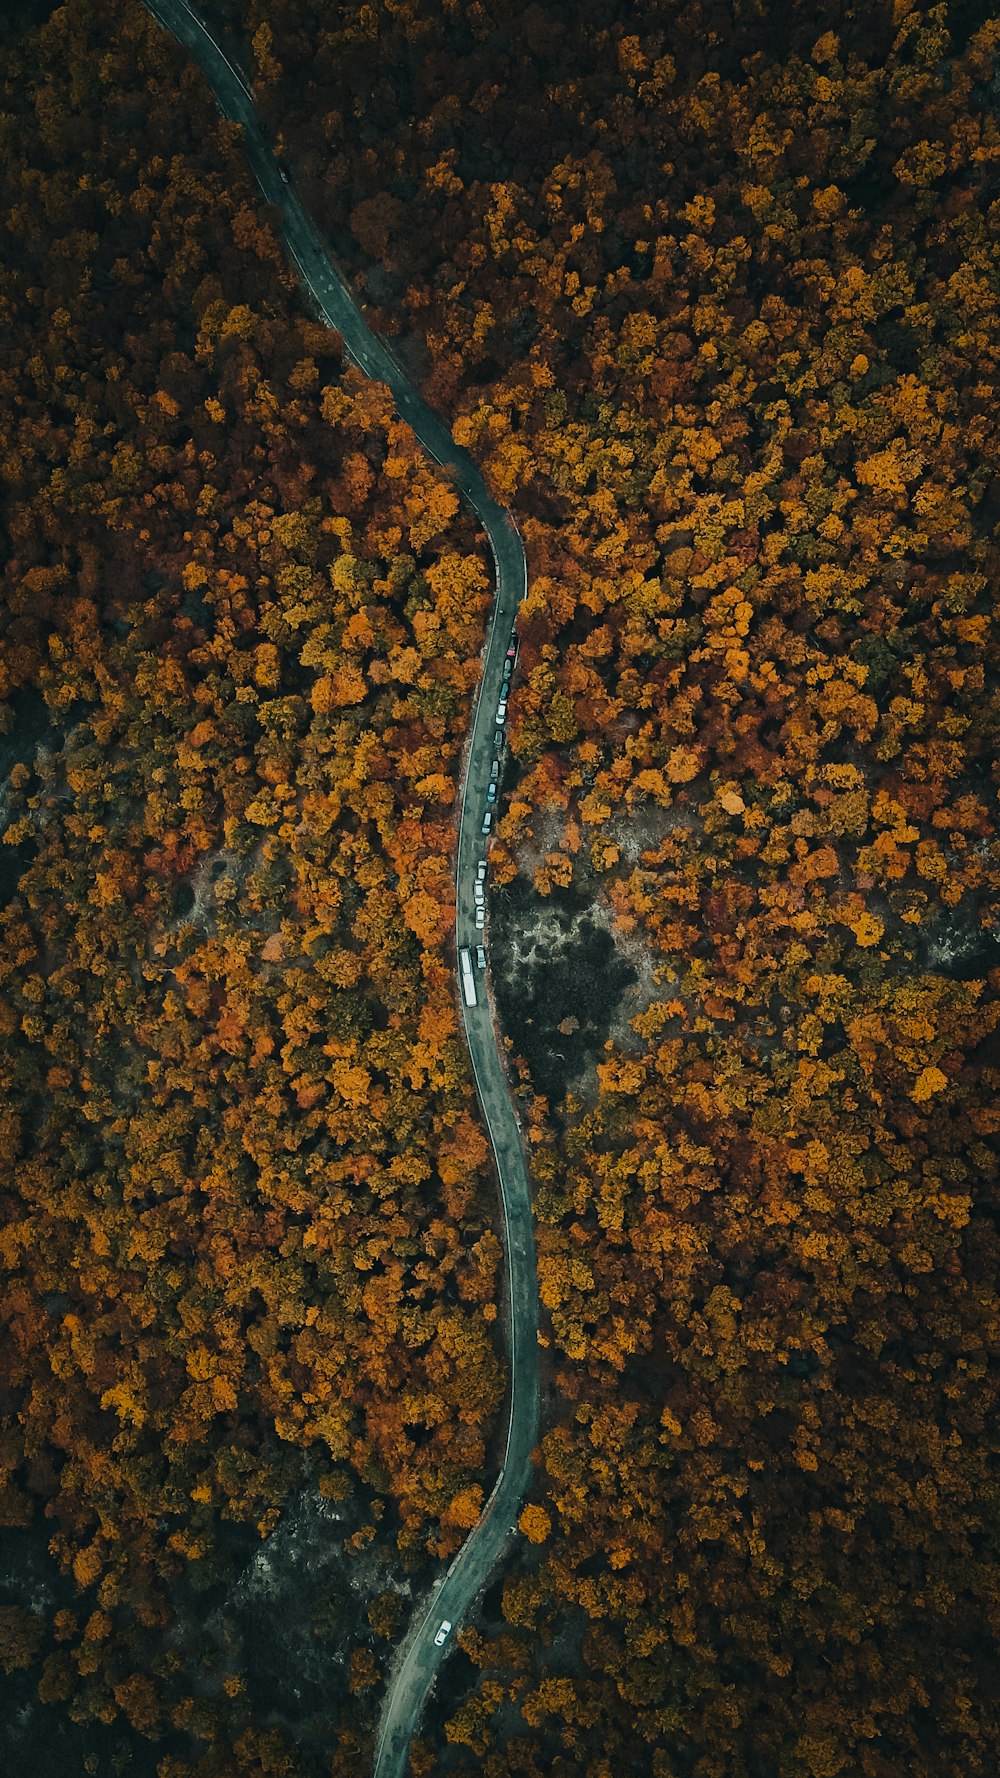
{"x":478,"y":894}
{"x":487,"y":821}
{"x":480,"y":918}
{"x":501,"y":712}
{"x":441,"y":1636}
{"x":481,"y":871}
{"x":491,"y":793}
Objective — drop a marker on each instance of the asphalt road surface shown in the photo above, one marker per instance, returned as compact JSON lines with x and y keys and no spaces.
{"x":419,"y":1659}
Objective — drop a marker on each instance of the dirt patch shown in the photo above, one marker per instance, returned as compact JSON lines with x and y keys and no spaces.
{"x":299,"y":1605}
{"x":633,"y":949}
{"x":963,"y":949}
{"x":568,"y":975}
{"x":644,"y":829}
{"x":558,"y":979}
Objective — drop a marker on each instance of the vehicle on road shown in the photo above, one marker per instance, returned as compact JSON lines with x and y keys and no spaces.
{"x":512,"y":650}
{"x":442,"y":1633}
{"x":502,"y":710}
{"x":468,"y":979}
{"x":487,"y":821}
{"x":480,"y":918}
{"x":478,"y":894}
{"x":282,"y":172}
{"x":495,"y":770}
{"x":508,"y":668}
{"x":481,"y":871}
{"x":491,"y":793}
{"x":480,"y":957}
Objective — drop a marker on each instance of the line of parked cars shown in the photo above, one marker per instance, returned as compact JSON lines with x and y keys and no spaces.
{"x":493,"y":787}
{"x":492,"y":792}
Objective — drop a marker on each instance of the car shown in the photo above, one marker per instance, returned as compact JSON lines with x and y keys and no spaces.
{"x":491,"y":793}
{"x":282,"y":172}
{"x":441,"y":1634}
{"x":512,"y":650}
{"x":480,"y":957}
{"x":495,"y":770}
{"x":480,"y":918}
{"x":508,"y":668}
{"x":479,"y":894}
{"x":502,"y":711}
{"x":481,"y":871}
{"x":487,"y":821}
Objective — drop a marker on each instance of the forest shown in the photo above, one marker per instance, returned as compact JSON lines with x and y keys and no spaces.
{"x":711,"y":292}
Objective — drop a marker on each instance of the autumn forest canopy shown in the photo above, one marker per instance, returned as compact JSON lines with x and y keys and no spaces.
{"x":711,"y":293}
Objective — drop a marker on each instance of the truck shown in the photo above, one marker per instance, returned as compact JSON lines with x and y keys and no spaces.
{"x":468,"y":979}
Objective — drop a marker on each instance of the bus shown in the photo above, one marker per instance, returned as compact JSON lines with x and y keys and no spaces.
{"x":468,"y":979}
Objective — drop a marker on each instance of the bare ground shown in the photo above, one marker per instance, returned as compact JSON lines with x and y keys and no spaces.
{"x":567,"y":977}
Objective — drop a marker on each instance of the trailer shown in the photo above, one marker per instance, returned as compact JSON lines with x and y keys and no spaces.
{"x":468,"y":979}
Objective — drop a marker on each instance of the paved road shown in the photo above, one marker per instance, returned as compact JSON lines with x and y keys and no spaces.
{"x":418,"y":1659}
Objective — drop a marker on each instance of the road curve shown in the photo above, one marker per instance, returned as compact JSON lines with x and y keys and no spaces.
{"x":418,"y":1660}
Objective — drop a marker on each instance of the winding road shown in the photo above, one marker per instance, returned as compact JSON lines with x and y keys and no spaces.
{"x":418,"y":1658}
